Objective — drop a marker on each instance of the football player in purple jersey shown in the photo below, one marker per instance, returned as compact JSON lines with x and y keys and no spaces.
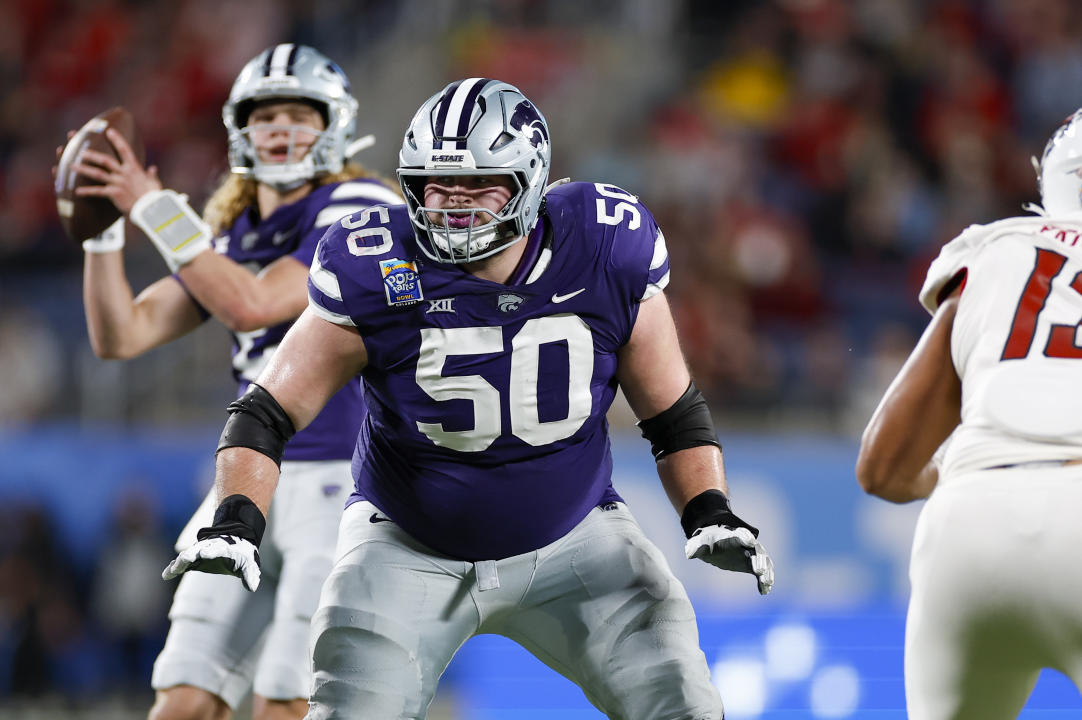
{"x":493,"y":318}
{"x":291,"y":121}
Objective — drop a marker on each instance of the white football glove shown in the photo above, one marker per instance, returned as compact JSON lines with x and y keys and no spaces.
{"x":221,"y":555}
{"x":732,"y":549}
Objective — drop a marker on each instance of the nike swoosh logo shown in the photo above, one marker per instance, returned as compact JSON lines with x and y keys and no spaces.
{"x":377,"y":518}
{"x":558,"y":298}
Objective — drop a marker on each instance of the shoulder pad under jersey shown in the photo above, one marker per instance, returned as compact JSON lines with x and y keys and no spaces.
{"x":620,"y":227}
{"x":352,"y":196}
{"x":956,"y":255}
{"x":357,"y":259}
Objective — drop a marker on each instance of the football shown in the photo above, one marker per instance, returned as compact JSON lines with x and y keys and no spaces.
{"x":86,"y":217}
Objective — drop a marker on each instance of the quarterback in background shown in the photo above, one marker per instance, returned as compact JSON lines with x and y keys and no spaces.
{"x":291,"y":121}
{"x":493,"y":318}
{"x":995,"y":570}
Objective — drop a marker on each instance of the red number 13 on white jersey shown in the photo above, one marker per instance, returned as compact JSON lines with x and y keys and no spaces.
{"x":1061,"y":338}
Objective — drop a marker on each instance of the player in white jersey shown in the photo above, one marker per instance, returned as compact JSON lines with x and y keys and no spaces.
{"x":291,"y":120}
{"x":995,"y":569}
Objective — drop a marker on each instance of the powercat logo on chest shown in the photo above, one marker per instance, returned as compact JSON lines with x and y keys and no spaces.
{"x":449,"y":160}
{"x":509,"y":302}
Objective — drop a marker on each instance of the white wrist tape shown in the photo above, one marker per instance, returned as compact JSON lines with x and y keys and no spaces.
{"x":110,"y":240}
{"x":171,"y":224}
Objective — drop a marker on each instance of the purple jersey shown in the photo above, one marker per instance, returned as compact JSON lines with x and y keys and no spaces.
{"x":486,"y":434}
{"x":295,"y":230}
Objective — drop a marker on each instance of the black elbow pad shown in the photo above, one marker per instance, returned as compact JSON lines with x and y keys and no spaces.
{"x":258,"y":422}
{"x":686,"y":424}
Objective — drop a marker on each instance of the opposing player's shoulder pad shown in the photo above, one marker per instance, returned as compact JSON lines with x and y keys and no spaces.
{"x":345,"y":268}
{"x":956,"y":256}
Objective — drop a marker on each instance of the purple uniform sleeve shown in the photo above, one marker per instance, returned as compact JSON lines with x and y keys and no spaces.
{"x":638,"y":256}
{"x":342,"y":201}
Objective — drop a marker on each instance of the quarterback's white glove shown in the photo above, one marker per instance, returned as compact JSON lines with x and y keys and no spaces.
{"x":221,"y":555}
{"x":228,"y":547}
{"x":717,"y":536}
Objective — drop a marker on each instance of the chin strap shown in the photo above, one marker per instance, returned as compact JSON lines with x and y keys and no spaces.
{"x":362,"y":143}
{"x":555,"y":184}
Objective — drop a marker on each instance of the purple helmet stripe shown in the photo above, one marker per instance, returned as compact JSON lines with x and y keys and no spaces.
{"x":467,"y":112}
{"x":292,"y":59}
{"x":441,"y":115}
{"x":267,"y":62}
{"x":281,"y":58}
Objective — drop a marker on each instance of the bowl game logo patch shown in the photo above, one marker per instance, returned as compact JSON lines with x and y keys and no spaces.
{"x":401,"y":282}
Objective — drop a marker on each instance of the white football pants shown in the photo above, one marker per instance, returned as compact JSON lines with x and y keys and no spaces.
{"x":227,"y":640}
{"x":996,"y":576}
{"x":600,"y":606}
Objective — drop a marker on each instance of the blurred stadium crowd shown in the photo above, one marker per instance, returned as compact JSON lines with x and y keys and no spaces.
{"x":805,"y":158}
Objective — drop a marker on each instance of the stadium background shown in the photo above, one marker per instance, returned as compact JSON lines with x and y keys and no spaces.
{"x":806,"y":158}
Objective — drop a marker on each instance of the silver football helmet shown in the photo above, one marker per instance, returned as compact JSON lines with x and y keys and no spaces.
{"x":291,"y":72}
{"x":475,"y":126}
{"x":1059,"y":172}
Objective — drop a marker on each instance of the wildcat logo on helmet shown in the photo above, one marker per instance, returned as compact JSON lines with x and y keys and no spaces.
{"x":528,"y":121}
{"x":401,"y":282}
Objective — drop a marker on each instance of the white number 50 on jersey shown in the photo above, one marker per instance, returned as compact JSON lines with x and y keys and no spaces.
{"x":439,"y":343}
{"x":622,"y":208}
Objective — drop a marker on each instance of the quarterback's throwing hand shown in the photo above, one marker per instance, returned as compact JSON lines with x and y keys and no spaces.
{"x":123,"y":179}
{"x":732,"y":549}
{"x":221,"y":555}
